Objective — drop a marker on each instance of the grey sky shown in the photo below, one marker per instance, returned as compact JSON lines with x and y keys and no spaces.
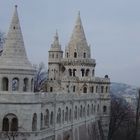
{"x":112,"y":28}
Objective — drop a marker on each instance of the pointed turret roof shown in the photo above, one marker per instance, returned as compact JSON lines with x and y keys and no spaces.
{"x":56,"y":45}
{"x":78,"y":35}
{"x":14,"y":53}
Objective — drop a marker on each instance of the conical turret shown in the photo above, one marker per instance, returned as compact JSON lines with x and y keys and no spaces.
{"x":77,"y":46}
{"x":78,"y":35}
{"x":55,"y":46}
{"x":14,"y":53}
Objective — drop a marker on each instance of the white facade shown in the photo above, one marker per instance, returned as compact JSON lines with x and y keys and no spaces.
{"x":76,"y":105}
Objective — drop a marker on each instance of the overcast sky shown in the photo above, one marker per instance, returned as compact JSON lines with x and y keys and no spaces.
{"x":112,"y":28}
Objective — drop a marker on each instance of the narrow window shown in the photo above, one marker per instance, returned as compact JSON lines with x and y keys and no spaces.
{"x":104,"y":109}
{"x":70,"y":72}
{"x":51,"y":89}
{"x":85,"y":90}
{"x":75,"y":55}
{"x":34,"y":122}
{"x":73,"y":88}
{"x":102,"y":89}
{"x":67,"y":54}
{"x":5,"y":84}
{"x":84,"y":55}
{"x":15,"y":84}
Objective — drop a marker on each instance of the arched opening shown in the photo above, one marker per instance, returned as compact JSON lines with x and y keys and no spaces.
{"x":5,"y":84}
{"x":14,"y":124}
{"x":66,"y":114}
{"x":93,"y":72}
{"x":51,"y":120}
{"x":75,"y":55}
{"x":84,"y":112}
{"x":87,"y":72}
{"x":41,"y":120}
{"x":73,"y":88}
{"x":15,"y":84}
{"x":75,"y":112}
{"x":84,"y":55}
{"x":102,"y":89}
{"x":51,"y":89}
{"x":67,"y":54}
{"x":70,"y":115}
{"x":47,"y":118}
{"x":70,"y":72}
{"x":5,"y":125}
{"x":63,"y":116}
{"x":106,"y":89}
{"x":34,"y":122}
{"x":81,"y":109}
{"x":92,"y":109}
{"x":10,"y":123}
{"x":85,"y":90}
{"x":88,"y":110}
{"x":83,"y":72}
{"x":74,"y":71}
{"x":104,"y":109}
{"x":59,"y":116}
{"x":25,"y":84}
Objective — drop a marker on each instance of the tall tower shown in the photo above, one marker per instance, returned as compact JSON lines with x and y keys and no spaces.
{"x":16,"y":72}
{"x":54,"y":63}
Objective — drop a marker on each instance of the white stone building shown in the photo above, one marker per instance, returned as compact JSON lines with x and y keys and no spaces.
{"x":76,"y":105}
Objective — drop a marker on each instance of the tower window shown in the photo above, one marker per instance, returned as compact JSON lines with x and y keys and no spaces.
{"x":70,"y":72}
{"x":75,"y":55}
{"x":85,"y":90}
{"x":84,"y":55}
{"x":67,"y":54}
{"x":104,"y":109}
{"x":102,"y":89}
{"x":73,"y":88}
{"x":83,"y":71}
{"x":74,"y":70}
{"x":51,"y":89}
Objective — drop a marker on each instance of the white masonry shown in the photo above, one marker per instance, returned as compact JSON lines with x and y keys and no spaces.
{"x":76,"y":105}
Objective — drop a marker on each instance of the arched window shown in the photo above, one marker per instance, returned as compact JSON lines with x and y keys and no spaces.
{"x":102,"y":89}
{"x":85,"y":90}
{"x":34,"y":122}
{"x":106,"y":89}
{"x":81,"y":109}
{"x":5,"y":125}
{"x":67,"y":54}
{"x":70,"y":115}
{"x":93,"y":72}
{"x":75,"y":112}
{"x":74,"y":71}
{"x":83,"y":72}
{"x":75,"y":55}
{"x":51,"y":121}
{"x":25,"y":86}
{"x":84,"y":55}
{"x":73,"y":88}
{"x":5,"y":84}
{"x":51,"y":89}
{"x":84,"y":112}
{"x":70,"y":72}
{"x":63,"y":116}
{"x":59,"y":116}
{"x":47,"y":118}
{"x":14,"y":124}
{"x":87,"y":72}
{"x":92,"y":109}
{"x":88,"y":110}
{"x":66,"y":114}
{"x":10,"y":123}
{"x":15,"y":84}
{"x":41,"y":120}
{"x":104,"y":109}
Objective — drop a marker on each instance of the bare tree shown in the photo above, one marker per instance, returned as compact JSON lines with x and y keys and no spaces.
{"x":121,"y":120}
{"x":40,"y":78}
